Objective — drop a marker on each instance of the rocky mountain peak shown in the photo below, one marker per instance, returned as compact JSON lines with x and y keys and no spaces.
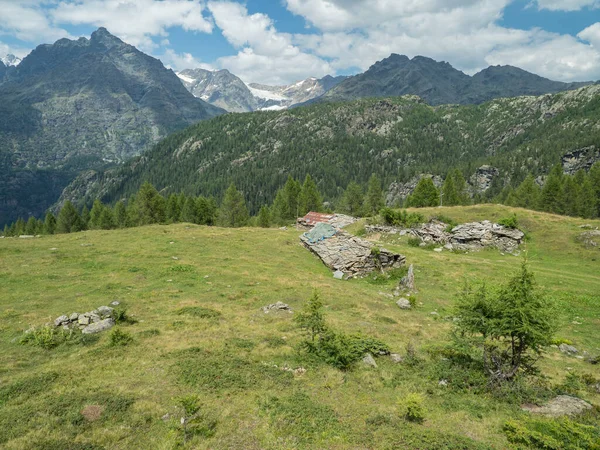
{"x":103,"y":37}
{"x":10,"y":60}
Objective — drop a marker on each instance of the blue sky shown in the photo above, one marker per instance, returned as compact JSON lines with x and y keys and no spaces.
{"x":282,"y":41}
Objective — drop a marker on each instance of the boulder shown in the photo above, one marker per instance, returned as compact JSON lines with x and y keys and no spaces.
{"x":279,"y":306}
{"x":105,"y":311}
{"x":407,"y":283}
{"x":73,"y":317}
{"x":97,"y":327}
{"x":563,"y":405}
{"x":404,"y":304}
{"x":83,"y":320}
{"x":396,"y":358}
{"x":369,"y":360}
{"x":338,"y":275}
{"x":60,"y":320}
{"x":568,"y":349}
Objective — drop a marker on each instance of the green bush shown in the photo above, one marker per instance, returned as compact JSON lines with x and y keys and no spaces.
{"x":49,"y":337}
{"x":120,"y":338}
{"x":414,"y":241}
{"x":548,"y":434}
{"x":412,"y":408}
{"x":509,"y":222}
{"x":121,"y":316}
{"x":401,"y":218}
{"x":195,"y":422}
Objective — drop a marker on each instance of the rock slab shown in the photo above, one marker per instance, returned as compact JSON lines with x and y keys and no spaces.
{"x":563,"y":405}
{"x":97,"y":327}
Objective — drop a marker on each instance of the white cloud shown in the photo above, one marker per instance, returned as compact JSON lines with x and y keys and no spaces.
{"x":135,"y":21}
{"x":28,"y":21}
{"x":265,"y":55}
{"x":181,"y":61}
{"x":567,"y":5}
{"x":592,"y":35}
{"x":6,"y":49}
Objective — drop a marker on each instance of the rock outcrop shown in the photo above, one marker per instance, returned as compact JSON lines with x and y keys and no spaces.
{"x":580,"y":159}
{"x":562,"y":405}
{"x":398,"y":192}
{"x":351,"y":255}
{"x":482,"y":179}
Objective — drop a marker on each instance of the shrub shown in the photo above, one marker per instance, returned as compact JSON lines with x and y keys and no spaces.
{"x":194,"y":421}
{"x":560,"y":434}
{"x":48,"y":337}
{"x":120,"y":338}
{"x":412,"y":408}
{"x":509,"y":222}
{"x":121,"y":316}
{"x":414,"y":241}
{"x":401,"y":218}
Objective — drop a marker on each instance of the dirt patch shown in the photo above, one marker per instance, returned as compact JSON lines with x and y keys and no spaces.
{"x":92,"y":413}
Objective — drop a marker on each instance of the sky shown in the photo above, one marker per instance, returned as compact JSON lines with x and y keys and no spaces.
{"x":283,"y":41}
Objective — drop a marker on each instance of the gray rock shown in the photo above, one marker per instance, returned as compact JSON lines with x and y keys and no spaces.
{"x":83,"y":320}
{"x":369,"y":360}
{"x":404,"y":304}
{"x":60,"y":320}
{"x":443,"y":383}
{"x":99,"y":326}
{"x":482,"y":179}
{"x":563,"y":405}
{"x":279,"y":306}
{"x":407,"y":282}
{"x":73,"y":317}
{"x":568,"y":349}
{"x":396,"y":358}
{"x":105,"y":311}
{"x":115,"y":303}
{"x":439,"y":249}
{"x":338,"y":275}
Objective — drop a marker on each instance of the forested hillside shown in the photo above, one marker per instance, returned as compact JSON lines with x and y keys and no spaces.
{"x":395,"y":138}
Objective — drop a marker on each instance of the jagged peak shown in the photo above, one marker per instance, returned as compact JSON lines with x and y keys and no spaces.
{"x":104,"y":37}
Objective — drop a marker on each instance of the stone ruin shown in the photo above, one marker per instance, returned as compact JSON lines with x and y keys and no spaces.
{"x":352,"y":256}
{"x":99,"y":319}
{"x":466,"y":237}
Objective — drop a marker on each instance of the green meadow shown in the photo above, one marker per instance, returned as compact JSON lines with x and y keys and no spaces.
{"x":196,"y":294}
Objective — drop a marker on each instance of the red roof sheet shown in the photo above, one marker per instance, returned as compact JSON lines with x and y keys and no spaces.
{"x":314,"y":217}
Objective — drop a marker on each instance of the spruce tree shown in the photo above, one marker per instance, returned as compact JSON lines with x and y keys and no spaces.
{"x":49,"y":223}
{"x":20,"y":225}
{"x":374,"y":200}
{"x":85,"y":218}
{"x":95,"y":215}
{"x":587,"y":206}
{"x":424,"y":195}
{"x":449,"y":194}
{"x":150,"y":205}
{"x":68,"y":219}
{"x":353,"y":199}
{"x":527,"y":195}
{"x":173,"y":210}
{"x":233,"y":212}
{"x":31,"y":226}
{"x":594,"y":175}
{"x":460,"y":184}
{"x":189,"y":213}
{"x":6,"y":231}
{"x":309,"y":199}
{"x":120,"y":214}
{"x":279,"y":209}
{"x":552,"y":193}
{"x":570,"y":197}
{"x":264,"y":217}
{"x":291,"y":193}
{"x":207,"y":210}
{"x":107,"y":219}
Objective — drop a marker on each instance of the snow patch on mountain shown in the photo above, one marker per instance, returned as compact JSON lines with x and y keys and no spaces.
{"x":10,"y":60}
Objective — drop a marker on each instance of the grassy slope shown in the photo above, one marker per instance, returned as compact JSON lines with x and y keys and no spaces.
{"x":236,"y":272}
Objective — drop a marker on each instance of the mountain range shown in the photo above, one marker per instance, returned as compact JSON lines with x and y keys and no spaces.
{"x":225,"y":90}
{"x":396,"y":138}
{"x":82,"y":104}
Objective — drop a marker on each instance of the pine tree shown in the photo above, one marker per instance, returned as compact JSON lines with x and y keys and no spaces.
{"x":425,"y":194}
{"x":570,"y":197}
{"x":173,"y":210}
{"x":207,"y":210}
{"x":449,"y":194}
{"x":68,"y":219}
{"x":107,"y":219}
{"x":353,"y":199}
{"x":120,"y":214}
{"x":95,"y":215}
{"x":279,"y":208}
{"x":6,"y":231}
{"x":587,"y":206}
{"x":460,"y":184}
{"x":150,"y":205}
{"x":264,"y":217}
{"x":85,"y":218}
{"x":309,"y":199}
{"x":20,"y":227}
{"x":49,"y":223}
{"x":291,"y":193}
{"x":189,"y":213}
{"x":233,"y":212}
{"x":552,"y":193}
{"x":527,"y":195}
{"x":594,"y":175}
{"x":374,"y":199}
{"x":31,"y":226}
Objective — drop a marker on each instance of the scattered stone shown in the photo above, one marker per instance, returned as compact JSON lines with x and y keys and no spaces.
{"x":590,"y":239}
{"x":338,"y":275}
{"x":99,"y":326}
{"x":26,"y":236}
{"x":567,"y":349}
{"x":369,"y":360}
{"x":60,"y":320}
{"x":83,"y":320}
{"x":105,"y":311}
{"x":53,"y":249}
{"x":115,"y":303}
{"x":279,"y":306}
{"x":443,"y":383}
{"x":86,"y":245}
{"x":175,"y":258}
{"x":404,"y":304}
{"x":167,"y":416}
{"x":386,"y":294}
{"x":563,"y":405}
{"x":434,"y":313}
{"x":439,"y":249}
{"x":299,"y":371}
{"x":396,"y":358}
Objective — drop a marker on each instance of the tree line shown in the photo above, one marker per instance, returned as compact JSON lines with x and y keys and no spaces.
{"x":574,"y":195}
